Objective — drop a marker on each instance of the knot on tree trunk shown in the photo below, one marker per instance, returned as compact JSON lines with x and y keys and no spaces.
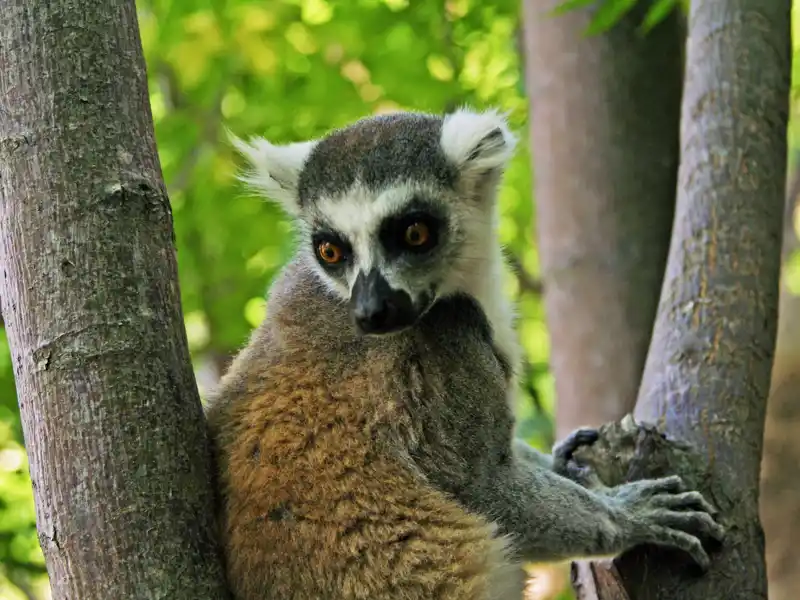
{"x":628,"y":450}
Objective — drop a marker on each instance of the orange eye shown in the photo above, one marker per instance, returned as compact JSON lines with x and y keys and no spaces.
{"x":417,"y":234}
{"x":330,"y":253}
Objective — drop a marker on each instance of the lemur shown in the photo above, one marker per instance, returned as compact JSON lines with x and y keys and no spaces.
{"x":365,"y":435}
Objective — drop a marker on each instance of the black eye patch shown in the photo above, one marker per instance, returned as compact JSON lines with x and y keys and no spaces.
{"x":415,"y":232}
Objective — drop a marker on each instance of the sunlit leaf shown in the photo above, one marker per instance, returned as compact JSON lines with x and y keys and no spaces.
{"x":255,"y":310}
{"x":301,"y":38}
{"x":440,"y":67}
{"x":396,"y":5}
{"x":317,"y":12}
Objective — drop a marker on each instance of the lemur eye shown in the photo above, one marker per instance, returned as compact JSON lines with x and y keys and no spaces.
{"x":330,"y":253}
{"x":417,"y":234}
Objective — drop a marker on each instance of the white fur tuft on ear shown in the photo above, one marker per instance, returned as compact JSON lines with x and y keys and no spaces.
{"x":477,"y":141}
{"x":274,"y":170}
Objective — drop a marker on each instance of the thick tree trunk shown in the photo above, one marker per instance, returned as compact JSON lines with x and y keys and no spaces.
{"x":112,"y":421}
{"x":604,"y":126}
{"x":780,"y":489}
{"x":707,"y":375}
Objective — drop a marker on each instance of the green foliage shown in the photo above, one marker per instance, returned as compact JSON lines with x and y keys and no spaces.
{"x":20,"y":556}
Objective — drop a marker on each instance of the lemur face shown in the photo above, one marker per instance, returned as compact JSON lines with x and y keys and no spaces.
{"x":395,"y":211}
{"x":388,"y":251}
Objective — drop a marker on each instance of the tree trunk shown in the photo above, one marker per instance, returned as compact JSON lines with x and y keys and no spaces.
{"x":111,"y":416}
{"x":707,"y":375}
{"x":780,"y":490}
{"x":604,"y":120}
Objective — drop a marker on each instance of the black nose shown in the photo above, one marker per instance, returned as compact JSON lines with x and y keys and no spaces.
{"x":376,"y":307}
{"x":374,"y":316}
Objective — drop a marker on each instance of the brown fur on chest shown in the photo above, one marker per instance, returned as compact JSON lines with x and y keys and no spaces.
{"x":318,"y":505}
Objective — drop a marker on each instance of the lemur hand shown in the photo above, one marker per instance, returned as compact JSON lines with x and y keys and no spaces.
{"x":662,"y":512}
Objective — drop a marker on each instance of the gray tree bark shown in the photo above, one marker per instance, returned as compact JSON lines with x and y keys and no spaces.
{"x":604,"y":120}
{"x":112,"y":420}
{"x":707,"y":375}
{"x":780,"y":488}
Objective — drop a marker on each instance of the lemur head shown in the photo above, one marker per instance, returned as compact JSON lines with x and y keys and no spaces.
{"x":394,"y":211}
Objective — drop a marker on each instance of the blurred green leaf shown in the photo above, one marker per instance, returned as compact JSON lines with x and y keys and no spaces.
{"x":608,"y":14}
{"x":659,"y":11}
{"x":791,"y":273}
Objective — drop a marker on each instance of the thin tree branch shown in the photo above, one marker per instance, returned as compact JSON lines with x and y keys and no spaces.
{"x":210,"y":121}
{"x":170,"y":87}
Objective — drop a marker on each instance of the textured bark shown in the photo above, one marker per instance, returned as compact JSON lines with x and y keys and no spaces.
{"x":111,"y":417}
{"x":604,"y":126}
{"x":707,"y":375}
{"x":780,"y":488}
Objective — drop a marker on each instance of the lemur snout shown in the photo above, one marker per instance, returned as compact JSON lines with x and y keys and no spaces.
{"x":377,"y":308}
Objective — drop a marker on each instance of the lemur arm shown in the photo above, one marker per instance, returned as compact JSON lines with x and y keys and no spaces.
{"x":560,"y":461}
{"x":552,"y":518}
{"x":530,"y":455}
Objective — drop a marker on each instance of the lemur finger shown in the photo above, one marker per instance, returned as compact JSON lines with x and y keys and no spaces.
{"x":584,"y":476}
{"x":694,"y":522}
{"x":664,"y":536}
{"x":584,"y":436}
{"x":684,"y":500}
{"x":671,"y":485}
{"x":576,"y":439}
{"x":568,"y":469}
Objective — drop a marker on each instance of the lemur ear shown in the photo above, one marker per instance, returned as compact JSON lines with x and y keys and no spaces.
{"x":274,"y":170}
{"x":477,"y":142}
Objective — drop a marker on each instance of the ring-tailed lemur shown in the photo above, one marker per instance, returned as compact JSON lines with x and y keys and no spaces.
{"x":364,"y":437}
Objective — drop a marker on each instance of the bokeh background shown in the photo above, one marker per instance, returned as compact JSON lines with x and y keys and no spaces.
{"x":291,"y":70}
